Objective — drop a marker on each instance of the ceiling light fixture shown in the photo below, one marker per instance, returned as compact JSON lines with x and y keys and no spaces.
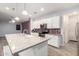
{"x":17,"y":18}
{"x":15,"y":9}
{"x":24,"y":12}
{"x":13,"y":21}
{"x":7,"y":8}
{"x":42,"y":9}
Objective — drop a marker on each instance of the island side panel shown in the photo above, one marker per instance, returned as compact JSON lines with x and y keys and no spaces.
{"x":37,"y":50}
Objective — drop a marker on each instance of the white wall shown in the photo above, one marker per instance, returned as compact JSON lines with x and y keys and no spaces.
{"x":65,"y":28}
{"x":8,"y":28}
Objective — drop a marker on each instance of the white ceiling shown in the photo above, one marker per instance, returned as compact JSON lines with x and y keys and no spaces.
{"x":5,"y":15}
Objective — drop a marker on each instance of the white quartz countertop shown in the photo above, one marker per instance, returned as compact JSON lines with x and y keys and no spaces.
{"x":22,"y":41}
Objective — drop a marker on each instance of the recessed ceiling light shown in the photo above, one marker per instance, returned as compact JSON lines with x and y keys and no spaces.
{"x":7,"y":8}
{"x":42,"y":9}
{"x":17,"y":18}
{"x":13,"y":21}
{"x":24,"y":12}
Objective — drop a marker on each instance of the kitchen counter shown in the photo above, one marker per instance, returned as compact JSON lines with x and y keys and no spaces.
{"x":19,"y":42}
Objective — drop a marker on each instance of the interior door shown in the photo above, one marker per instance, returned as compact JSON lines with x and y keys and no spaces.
{"x":72,"y":27}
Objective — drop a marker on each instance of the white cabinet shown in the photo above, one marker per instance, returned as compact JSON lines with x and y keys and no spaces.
{"x":41,"y":49}
{"x":36,"y":24}
{"x":49,"y":22}
{"x":28,"y":52}
{"x":37,"y":50}
{"x":52,"y":22}
{"x":54,"y":40}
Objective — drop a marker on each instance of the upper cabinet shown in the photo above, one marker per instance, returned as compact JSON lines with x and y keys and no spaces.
{"x":52,"y":22}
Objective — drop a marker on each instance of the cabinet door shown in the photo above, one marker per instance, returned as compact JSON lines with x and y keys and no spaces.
{"x":27,"y":52}
{"x":41,"y":49}
{"x":53,"y":22}
{"x":56,"y":22}
{"x":54,"y":41}
{"x":49,"y":23}
{"x":37,"y":50}
{"x":72,"y":27}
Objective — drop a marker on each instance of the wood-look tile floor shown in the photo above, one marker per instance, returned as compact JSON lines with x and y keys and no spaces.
{"x":3,"y":42}
{"x":69,"y":49}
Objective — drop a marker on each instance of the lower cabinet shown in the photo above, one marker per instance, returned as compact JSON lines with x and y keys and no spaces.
{"x":37,"y":50}
{"x":54,"y":40}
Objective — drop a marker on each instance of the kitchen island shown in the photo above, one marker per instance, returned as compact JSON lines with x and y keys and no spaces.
{"x":27,"y":45}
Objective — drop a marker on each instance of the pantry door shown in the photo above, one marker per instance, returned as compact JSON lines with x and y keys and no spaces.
{"x":72,"y":25}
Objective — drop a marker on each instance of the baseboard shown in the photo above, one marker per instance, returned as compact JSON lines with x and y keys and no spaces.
{"x":53,"y":46}
{"x":73,"y":40}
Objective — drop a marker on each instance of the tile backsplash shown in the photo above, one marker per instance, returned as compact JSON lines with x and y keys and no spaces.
{"x":55,"y":31}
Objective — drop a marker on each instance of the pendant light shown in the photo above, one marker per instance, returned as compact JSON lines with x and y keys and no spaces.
{"x":42,"y":9}
{"x":24,"y":12}
{"x":12,"y":20}
{"x":16,"y":18}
